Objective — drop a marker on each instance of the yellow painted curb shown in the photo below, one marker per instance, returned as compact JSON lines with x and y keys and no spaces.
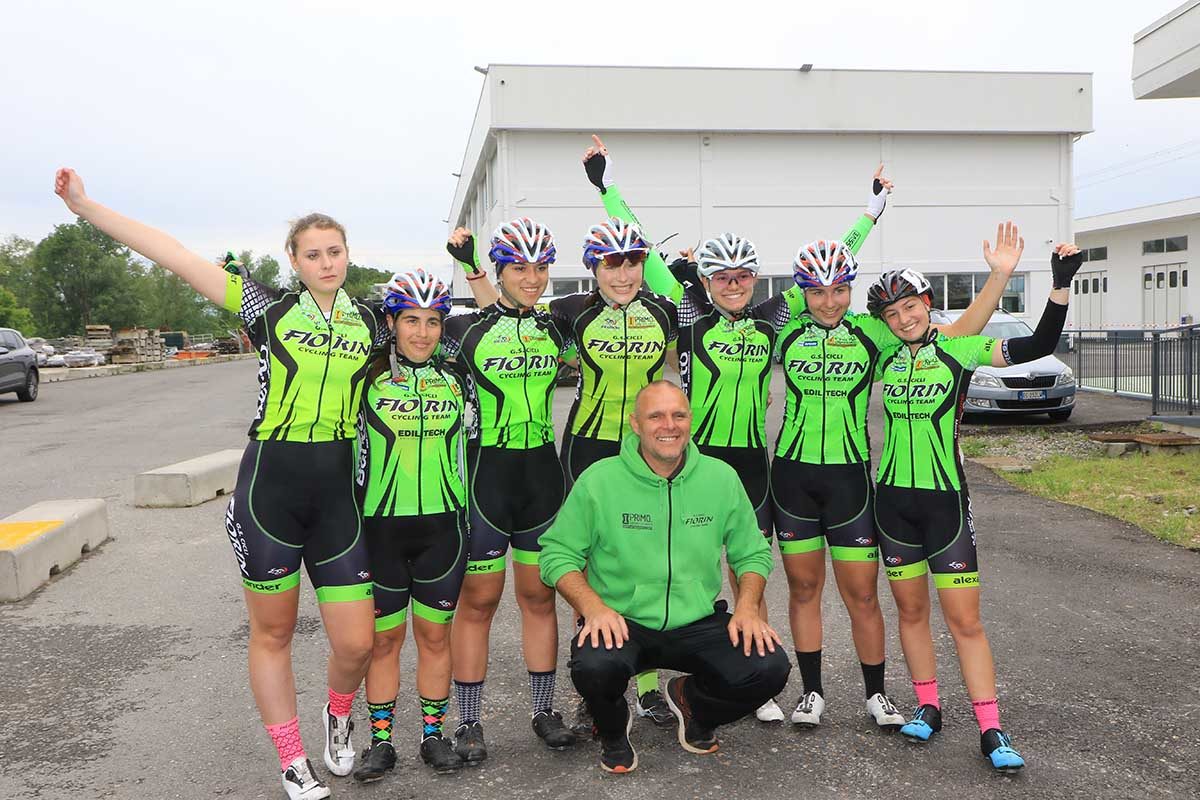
{"x":15,"y":534}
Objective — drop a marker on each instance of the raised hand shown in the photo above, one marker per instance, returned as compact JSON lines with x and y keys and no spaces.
{"x":461,"y":247}
{"x":1064,"y":263}
{"x":881,"y":187}
{"x":1009,"y":246}
{"x":597,"y":163}
{"x":69,"y":186}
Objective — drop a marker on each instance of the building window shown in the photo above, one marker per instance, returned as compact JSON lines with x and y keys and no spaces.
{"x":1158,"y":280}
{"x":1147,"y":281}
{"x":1153,"y":246}
{"x":1085,"y":286}
{"x":1176,"y":244}
{"x":1095,"y":254}
{"x":1076,"y":283}
{"x":1185,"y":279}
{"x":957,"y":290}
{"x":1173,"y":279}
{"x":1105,"y":284}
{"x":1095,"y":286}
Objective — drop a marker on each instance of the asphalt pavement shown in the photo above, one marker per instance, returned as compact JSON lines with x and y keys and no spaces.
{"x":125,"y":676}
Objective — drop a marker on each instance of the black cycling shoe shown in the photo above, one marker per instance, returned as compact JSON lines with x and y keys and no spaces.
{"x":438,"y":752}
{"x":469,"y":744}
{"x":653,"y":707}
{"x":584,"y":727}
{"x":379,"y":759}
{"x":549,"y":727}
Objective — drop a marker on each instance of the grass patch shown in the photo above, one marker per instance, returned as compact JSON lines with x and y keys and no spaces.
{"x":1150,"y":491}
{"x":973,"y":448}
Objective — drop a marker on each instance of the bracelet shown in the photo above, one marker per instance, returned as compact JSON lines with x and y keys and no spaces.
{"x":476,"y":276}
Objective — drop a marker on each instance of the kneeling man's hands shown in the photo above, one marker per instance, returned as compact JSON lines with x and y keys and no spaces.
{"x":750,"y":629}
{"x":604,"y":623}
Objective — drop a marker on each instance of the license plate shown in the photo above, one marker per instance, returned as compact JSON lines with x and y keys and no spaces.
{"x":1040,"y":394}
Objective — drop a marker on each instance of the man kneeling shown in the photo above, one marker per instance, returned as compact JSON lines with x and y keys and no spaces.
{"x":648,"y":526}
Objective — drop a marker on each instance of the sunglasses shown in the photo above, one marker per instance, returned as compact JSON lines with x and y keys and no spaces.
{"x":634,"y":257}
{"x":726,"y":277}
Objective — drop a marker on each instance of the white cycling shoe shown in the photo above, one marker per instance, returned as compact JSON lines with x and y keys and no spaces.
{"x":339,"y":753}
{"x":884,"y":713}
{"x":301,"y":784}
{"x":808,"y":710}
{"x":769,"y":712}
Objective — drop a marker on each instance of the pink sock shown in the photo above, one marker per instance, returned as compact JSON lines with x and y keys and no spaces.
{"x":987,"y":712}
{"x":286,"y":737}
{"x":927,"y":693}
{"x":339,"y":704}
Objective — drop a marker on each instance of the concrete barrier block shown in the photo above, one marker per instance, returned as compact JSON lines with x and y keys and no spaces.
{"x":45,"y":539}
{"x":188,"y":483}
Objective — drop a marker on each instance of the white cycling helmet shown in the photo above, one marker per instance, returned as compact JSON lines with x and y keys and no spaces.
{"x":614,"y":236}
{"x":521,"y":240}
{"x":727,"y":251}
{"x":824,"y":263}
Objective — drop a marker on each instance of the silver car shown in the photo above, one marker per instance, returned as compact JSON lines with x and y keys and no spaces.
{"x":1035,"y":387}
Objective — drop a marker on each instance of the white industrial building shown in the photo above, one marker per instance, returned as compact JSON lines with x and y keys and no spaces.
{"x":784,"y":156}
{"x":1136,"y":275}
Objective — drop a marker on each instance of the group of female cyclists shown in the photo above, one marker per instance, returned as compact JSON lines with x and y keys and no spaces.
{"x":398,"y":453}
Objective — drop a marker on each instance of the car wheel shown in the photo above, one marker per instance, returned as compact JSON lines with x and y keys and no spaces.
{"x":1061,"y":414}
{"x":29,"y":393}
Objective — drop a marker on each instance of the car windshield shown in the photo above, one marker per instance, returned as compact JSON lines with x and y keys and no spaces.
{"x":1009,"y":329}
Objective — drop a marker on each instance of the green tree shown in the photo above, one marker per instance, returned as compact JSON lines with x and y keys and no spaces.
{"x":359,"y":280}
{"x":79,"y":276}
{"x":14,"y":315}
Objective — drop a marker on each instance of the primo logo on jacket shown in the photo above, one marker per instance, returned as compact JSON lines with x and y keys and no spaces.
{"x":636,"y":522}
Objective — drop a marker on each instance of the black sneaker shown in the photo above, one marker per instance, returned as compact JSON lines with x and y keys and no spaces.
{"x":692,"y":736}
{"x":652,"y":706}
{"x":617,"y":754}
{"x":438,"y":752}
{"x":549,"y":727}
{"x":584,"y":727}
{"x":469,"y":744}
{"x":379,"y":759}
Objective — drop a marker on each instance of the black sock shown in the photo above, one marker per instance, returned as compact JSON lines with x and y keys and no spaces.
{"x":873,"y":678}
{"x":810,"y":671}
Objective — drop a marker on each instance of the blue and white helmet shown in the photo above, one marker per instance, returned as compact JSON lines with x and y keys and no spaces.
{"x":522,"y":241}
{"x":824,"y":263}
{"x":614,"y":236}
{"x":416,"y":288}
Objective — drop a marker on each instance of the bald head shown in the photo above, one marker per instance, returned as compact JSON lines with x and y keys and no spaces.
{"x":657,"y":392}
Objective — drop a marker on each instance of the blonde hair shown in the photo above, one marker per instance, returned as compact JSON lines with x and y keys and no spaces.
{"x":314,"y":220}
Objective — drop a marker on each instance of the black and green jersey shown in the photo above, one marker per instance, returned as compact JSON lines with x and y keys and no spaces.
{"x":828,"y":374}
{"x":725,"y":363}
{"x":511,"y":361}
{"x":621,"y":349}
{"x":310,"y":367}
{"x":923,"y":395}
{"x":410,"y":442}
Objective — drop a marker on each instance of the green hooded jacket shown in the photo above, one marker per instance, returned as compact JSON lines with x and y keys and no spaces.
{"x":652,"y":546}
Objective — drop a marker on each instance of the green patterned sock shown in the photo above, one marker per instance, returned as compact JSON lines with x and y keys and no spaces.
{"x":433,"y":716}
{"x":382,"y":715}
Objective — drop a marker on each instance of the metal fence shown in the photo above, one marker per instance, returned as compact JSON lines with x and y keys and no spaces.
{"x":1162,"y":365}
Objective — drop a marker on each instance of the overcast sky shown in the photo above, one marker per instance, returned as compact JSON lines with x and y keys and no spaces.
{"x":219,"y":121}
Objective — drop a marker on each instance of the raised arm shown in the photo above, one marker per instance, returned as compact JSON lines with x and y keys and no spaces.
{"x":597,"y":163}
{"x":1001,"y":261}
{"x":854,"y":238}
{"x":205,"y":277}
{"x":461,"y":247}
{"x":1064,"y":263}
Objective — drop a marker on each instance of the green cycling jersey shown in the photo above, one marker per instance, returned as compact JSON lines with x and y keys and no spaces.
{"x":923,"y":396}
{"x":410,"y":442}
{"x":828,"y":374}
{"x":621,"y":349}
{"x":725,"y":362}
{"x":311,"y":366}
{"x":511,"y":360}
